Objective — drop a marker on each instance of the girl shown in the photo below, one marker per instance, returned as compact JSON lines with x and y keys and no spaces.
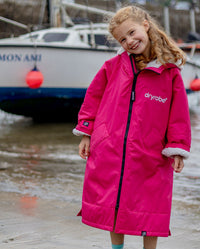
{"x":135,"y":126}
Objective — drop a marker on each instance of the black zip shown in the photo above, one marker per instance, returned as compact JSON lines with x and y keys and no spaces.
{"x":132,"y":99}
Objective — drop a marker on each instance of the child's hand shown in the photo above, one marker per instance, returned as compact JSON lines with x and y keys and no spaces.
{"x":84,"y":147}
{"x":178,"y":164}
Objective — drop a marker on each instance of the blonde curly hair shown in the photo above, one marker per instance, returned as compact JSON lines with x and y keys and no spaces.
{"x":163,"y":48}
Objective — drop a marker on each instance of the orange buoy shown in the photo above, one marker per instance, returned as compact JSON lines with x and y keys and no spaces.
{"x":195,"y":84}
{"x":34,"y":78}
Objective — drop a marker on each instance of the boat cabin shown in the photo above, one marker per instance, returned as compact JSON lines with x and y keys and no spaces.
{"x":88,"y":36}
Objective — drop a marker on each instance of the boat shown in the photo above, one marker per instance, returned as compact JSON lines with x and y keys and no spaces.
{"x":191,"y":73}
{"x":67,"y":58}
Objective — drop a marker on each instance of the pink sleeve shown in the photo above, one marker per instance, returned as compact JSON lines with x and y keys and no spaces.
{"x":179,"y":128}
{"x":91,"y":103}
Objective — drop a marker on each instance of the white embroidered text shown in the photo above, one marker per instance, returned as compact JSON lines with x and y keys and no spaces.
{"x":156,"y":98}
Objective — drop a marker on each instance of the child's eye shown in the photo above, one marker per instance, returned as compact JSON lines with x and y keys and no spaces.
{"x":123,"y":40}
{"x":132,"y":32}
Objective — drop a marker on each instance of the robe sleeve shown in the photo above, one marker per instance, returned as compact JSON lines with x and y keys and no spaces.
{"x":92,"y":100}
{"x":179,"y":129}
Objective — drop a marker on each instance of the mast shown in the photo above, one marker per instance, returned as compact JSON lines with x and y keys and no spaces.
{"x":42,"y":12}
{"x":57,"y":14}
{"x":48,"y":9}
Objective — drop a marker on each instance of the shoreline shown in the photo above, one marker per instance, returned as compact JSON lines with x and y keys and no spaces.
{"x":29,"y":222}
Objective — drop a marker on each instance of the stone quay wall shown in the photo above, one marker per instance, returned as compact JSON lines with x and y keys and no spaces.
{"x":29,"y":13}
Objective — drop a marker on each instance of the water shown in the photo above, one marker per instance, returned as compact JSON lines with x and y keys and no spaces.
{"x":42,"y":160}
{"x":39,"y":159}
{"x":186,"y":194}
{"x":187,"y":184}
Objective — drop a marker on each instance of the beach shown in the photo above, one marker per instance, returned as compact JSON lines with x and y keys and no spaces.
{"x":42,"y":224}
{"x":41,"y":177}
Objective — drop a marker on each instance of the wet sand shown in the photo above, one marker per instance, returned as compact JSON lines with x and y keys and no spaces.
{"x":41,"y":178}
{"x":34,"y":223}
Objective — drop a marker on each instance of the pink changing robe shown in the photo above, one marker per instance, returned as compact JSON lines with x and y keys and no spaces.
{"x":137,"y":122}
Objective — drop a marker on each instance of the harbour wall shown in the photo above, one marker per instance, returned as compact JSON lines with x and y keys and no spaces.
{"x":30,"y":13}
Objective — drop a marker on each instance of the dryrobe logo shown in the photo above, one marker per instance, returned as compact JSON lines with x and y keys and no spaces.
{"x":20,"y":58}
{"x":156,"y":98}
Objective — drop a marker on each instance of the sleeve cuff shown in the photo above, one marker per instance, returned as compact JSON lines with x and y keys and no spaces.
{"x":169,"y":152}
{"x":79,"y":133}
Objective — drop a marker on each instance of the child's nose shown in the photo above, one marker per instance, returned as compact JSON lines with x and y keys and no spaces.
{"x":129,"y":40}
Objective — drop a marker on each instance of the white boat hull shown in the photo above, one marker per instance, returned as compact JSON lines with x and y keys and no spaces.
{"x":67,"y":73}
{"x":61,"y":67}
{"x":189,"y":72}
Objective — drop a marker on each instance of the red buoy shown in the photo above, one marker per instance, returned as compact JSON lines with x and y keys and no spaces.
{"x":34,"y":78}
{"x":195,"y":84}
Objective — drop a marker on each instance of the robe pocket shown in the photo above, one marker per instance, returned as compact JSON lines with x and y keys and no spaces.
{"x":98,"y":135}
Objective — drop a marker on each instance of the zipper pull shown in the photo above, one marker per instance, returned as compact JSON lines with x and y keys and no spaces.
{"x":133,"y":96}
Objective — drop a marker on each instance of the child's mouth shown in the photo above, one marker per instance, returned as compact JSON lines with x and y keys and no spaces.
{"x":135,"y":46}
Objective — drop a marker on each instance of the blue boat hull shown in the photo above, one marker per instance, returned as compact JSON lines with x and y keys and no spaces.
{"x":42,"y":104}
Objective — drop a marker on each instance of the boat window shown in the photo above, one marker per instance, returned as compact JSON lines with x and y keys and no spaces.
{"x":81,"y":37}
{"x":34,"y":37}
{"x":101,"y":40}
{"x":55,"y":37}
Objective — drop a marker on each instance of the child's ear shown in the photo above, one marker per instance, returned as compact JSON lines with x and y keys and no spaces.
{"x":146,"y":25}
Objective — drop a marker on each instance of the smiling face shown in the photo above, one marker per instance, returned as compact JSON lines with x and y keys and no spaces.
{"x":133,"y":37}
